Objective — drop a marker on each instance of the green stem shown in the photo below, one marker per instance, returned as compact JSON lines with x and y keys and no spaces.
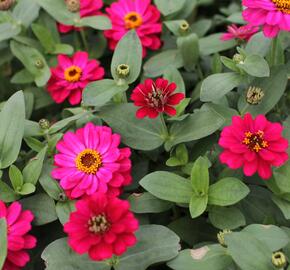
{"x":274,"y":51}
{"x":84,"y":40}
{"x":165,"y":129}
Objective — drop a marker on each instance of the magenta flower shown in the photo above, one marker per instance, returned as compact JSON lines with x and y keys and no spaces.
{"x":71,"y":76}
{"x":272,"y":15}
{"x":91,"y":161}
{"x":135,"y":14}
{"x":254,"y":144}
{"x":101,"y":226}
{"x":244,"y":32}
{"x":18,"y":226}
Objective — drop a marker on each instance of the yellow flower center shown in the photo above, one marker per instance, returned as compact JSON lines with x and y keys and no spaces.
{"x":255,"y":141}
{"x":98,"y":224}
{"x":88,"y":161}
{"x":133,"y":20}
{"x":282,"y":5}
{"x":73,"y":74}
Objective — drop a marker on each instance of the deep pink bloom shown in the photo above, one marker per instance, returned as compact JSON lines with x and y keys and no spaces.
{"x":272,"y":15}
{"x":156,"y":97}
{"x":18,"y":225}
{"x":90,"y":161}
{"x":87,"y":8}
{"x":101,"y":226}
{"x":254,"y":144}
{"x":135,"y":14}
{"x":244,"y":32}
{"x":71,"y":76}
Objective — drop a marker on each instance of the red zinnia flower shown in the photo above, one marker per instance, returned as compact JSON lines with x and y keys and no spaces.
{"x":254,"y":144}
{"x":101,"y":226}
{"x":71,"y":76}
{"x":156,"y":97}
{"x":18,"y":225}
{"x":244,"y":32}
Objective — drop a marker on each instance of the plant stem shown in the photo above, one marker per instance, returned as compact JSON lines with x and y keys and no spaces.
{"x":165,"y":129}
{"x":274,"y":51}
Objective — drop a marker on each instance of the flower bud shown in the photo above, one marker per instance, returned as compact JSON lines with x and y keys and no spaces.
{"x":39,"y":63}
{"x":238,"y":58}
{"x":279,"y":259}
{"x":6,"y":4}
{"x":221,"y":237}
{"x":184,"y":26}
{"x":73,"y":5}
{"x":62,"y":197}
{"x":44,"y":124}
{"x":254,"y":95}
{"x":123,"y":70}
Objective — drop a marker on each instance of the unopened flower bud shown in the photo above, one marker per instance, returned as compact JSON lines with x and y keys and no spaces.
{"x":238,"y":58}
{"x":279,"y":259}
{"x":221,"y":237}
{"x":38,"y":63}
{"x":62,"y":197}
{"x":184,"y":26}
{"x":44,"y":124}
{"x":123,"y":70}
{"x":254,"y":95}
{"x":73,"y":5}
{"x":6,"y":4}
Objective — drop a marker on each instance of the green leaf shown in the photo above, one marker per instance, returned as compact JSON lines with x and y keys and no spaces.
{"x":281,"y":178}
{"x":9,"y":30}
{"x":196,"y":126}
{"x":44,"y":36}
{"x":226,"y":217}
{"x":217,"y":85}
{"x":98,"y":22}
{"x":3,"y":241}
{"x":29,"y":57}
{"x":248,"y":252}
{"x":100,"y":92}
{"x":272,"y":236}
{"x":63,"y":210}
{"x":258,"y":44}
{"x":283,"y":205}
{"x":211,"y":257}
{"x":173,"y":75}
{"x":168,"y":7}
{"x":43,"y":210}
{"x":200,"y":176}
{"x":11,"y":129}
{"x":278,"y":81}
{"x":25,"y":12}
{"x":22,"y":77}
{"x":198,"y":204}
{"x":155,"y":244}
{"x":256,"y":66}
{"x":7,"y":194}
{"x":15,"y":177}
{"x":128,"y":52}
{"x":34,"y":144}
{"x":33,"y":169}
{"x":146,"y":203}
{"x":227,"y":191}
{"x":145,"y":134}
{"x":189,"y":49}
{"x":27,"y":189}
{"x":168,"y":186}
{"x":58,"y":255}
{"x":159,"y":63}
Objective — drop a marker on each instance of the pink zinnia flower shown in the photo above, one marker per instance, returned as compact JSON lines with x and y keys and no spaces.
{"x":87,"y":8}
{"x":135,"y":14}
{"x":71,"y":76}
{"x":254,"y":144}
{"x":156,"y":97}
{"x":244,"y":32}
{"x":101,"y":226}
{"x":90,"y":161}
{"x":18,"y":225}
{"x":272,"y":15}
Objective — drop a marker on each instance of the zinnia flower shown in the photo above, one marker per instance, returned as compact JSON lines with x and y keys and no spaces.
{"x":244,"y":32}
{"x":254,"y":144}
{"x":71,"y":76}
{"x":101,"y":226}
{"x":18,"y":241}
{"x":273,"y":15}
{"x":135,"y":14}
{"x":156,"y":97}
{"x":87,"y":8}
{"x":90,"y":161}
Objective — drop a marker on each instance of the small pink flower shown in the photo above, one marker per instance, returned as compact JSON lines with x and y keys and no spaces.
{"x":254,"y":144}
{"x":140,"y":15}
{"x":91,"y":161}
{"x":272,"y":15}
{"x":101,"y":226}
{"x":244,"y":32}
{"x":87,"y":8}
{"x":71,"y":76}
{"x":18,"y":225}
